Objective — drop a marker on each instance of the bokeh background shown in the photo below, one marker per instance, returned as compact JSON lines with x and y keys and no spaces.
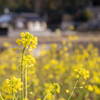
{"x":68,"y":34}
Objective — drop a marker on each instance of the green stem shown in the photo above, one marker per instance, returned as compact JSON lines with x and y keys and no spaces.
{"x":73,"y":89}
{"x":47,"y":94}
{"x":13,"y":94}
{"x":1,"y":97}
{"x":22,"y":74}
{"x":26,"y":83}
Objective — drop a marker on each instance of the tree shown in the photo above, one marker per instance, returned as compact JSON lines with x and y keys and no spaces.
{"x":86,"y":15}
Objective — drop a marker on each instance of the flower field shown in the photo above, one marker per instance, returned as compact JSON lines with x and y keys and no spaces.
{"x":59,"y":73}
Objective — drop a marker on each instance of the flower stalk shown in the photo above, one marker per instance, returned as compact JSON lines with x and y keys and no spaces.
{"x":73,"y":88}
{"x":46,"y":95}
{"x":22,"y":74}
{"x":53,"y":91}
{"x":26,"y":83}
{"x":13,"y":95}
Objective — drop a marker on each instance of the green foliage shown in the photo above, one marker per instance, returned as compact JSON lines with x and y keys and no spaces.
{"x":40,"y":5}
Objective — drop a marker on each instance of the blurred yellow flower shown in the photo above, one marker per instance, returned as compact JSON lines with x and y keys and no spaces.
{"x":67,"y":91}
{"x":90,"y":87}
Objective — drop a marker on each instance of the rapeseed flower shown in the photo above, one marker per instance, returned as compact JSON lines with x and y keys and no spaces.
{"x":28,"y":61}
{"x":57,"y":87}
{"x":27,"y":40}
{"x":67,"y":91}
{"x":83,"y":72}
{"x":89,"y":87}
{"x":12,"y":85}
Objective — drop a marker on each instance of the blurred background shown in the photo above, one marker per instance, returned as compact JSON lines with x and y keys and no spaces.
{"x":68,"y":34}
{"x":49,"y":19}
{"x":45,"y":16}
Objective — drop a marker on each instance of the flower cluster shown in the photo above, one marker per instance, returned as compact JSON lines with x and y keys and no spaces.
{"x":27,"y":40}
{"x":12,"y":85}
{"x":28,"y":61}
{"x":57,"y":87}
{"x":83,"y":72}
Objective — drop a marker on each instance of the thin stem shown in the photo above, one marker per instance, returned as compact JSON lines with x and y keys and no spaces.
{"x":26,"y":83}
{"x":1,"y":97}
{"x":73,"y":89}
{"x":22,"y":74}
{"x":47,"y":94}
{"x":13,"y":94}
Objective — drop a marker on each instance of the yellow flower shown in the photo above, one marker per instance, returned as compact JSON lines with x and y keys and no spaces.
{"x":38,"y":99}
{"x":83,"y":72}
{"x":89,"y":88}
{"x":12,"y":85}
{"x":18,"y":48}
{"x":14,"y":49}
{"x":25,"y":99}
{"x":43,"y":52}
{"x":96,"y":89}
{"x":70,"y":77}
{"x":67,"y":91}
{"x":27,"y":40}
{"x":61,"y":99}
{"x":81,"y":87}
{"x":57,"y":87}
{"x":28,"y":61}
{"x":6,"y":44}
{"x":65,"y":48}
{"x":18,"y":42}
{"x":77,"y":76}
{"x":31,"y":92}
{"x":22,"y":35}
{"x":83,"y":83}
{"x":29,"y":50}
